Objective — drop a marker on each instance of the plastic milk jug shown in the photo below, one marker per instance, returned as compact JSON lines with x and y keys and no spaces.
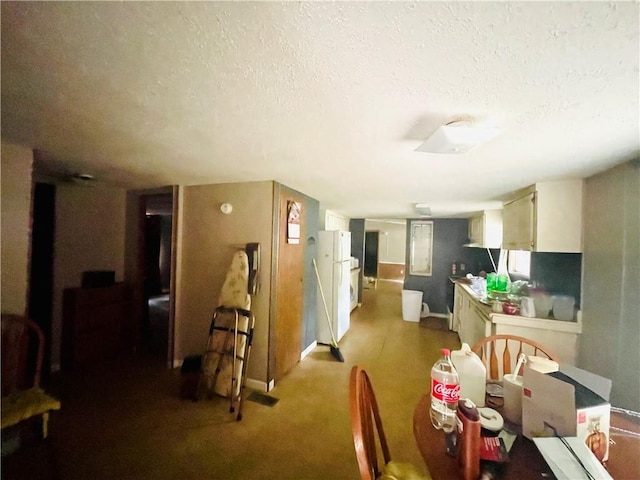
{"x":472,"y":373}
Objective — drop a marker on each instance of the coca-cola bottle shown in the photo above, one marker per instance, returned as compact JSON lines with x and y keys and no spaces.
{"x":445,"y":393}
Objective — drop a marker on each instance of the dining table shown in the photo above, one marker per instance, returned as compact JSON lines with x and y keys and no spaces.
{"x":525,"y":460}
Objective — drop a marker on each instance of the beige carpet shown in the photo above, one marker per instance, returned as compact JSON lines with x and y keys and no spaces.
{"x":435,"y":323}
{"x":126,"y":420}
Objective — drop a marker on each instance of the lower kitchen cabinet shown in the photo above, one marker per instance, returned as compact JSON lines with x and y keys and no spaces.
{"x":559,"y":337}
{"x":472,"y":317}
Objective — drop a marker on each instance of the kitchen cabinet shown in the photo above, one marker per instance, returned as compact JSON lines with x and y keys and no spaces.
{"x":473,"y":317}
{"x":559,"y":337}
{"x":545,"y":217}
{"x":485,"y":229}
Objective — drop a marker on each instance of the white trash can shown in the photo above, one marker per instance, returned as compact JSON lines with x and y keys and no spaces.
{"x":411,"y":305}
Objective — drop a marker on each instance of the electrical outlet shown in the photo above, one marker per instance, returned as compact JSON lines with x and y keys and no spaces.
{"x":463,"y":267}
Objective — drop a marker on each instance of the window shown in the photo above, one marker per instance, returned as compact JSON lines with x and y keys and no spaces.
{"x":421,"y":248}
{"x":519,"y":262}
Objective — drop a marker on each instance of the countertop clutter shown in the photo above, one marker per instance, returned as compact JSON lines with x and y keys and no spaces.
{"x":474,"y":318}
{"x":519,"y":298}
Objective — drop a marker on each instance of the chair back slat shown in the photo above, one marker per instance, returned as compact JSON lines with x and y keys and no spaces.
{"x":507,"y":348}
{"x":506,"y":359}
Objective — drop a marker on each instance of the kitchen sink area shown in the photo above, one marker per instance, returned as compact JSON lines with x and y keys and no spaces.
{"x":473,"y":318}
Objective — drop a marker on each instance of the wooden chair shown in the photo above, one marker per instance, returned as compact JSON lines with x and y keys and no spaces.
{"x":22,"y":397}
{"x":368,"y":435}
{"x":508,"y":348}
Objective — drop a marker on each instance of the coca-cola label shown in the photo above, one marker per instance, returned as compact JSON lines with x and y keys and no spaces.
{"x":444,"y":392}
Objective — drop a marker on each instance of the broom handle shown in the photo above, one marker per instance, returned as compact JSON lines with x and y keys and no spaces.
{"x":324,"y":302}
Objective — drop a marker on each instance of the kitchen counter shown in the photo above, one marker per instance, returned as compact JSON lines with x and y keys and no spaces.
{"x":559,"y":336}
{"x":530,"y":322}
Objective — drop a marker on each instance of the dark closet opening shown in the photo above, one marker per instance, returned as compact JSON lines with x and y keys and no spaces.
{"x":40,"y":299}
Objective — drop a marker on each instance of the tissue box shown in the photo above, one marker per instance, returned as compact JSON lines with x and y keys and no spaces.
{"x":575,"y":402}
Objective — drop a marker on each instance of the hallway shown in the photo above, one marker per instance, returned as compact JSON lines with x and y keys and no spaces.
{"x":128,"y":422}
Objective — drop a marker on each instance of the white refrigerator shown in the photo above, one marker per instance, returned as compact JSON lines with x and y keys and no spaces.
{"x":334,"y":269}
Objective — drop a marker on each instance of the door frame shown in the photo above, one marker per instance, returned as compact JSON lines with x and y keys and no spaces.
{"x":136,"y":208}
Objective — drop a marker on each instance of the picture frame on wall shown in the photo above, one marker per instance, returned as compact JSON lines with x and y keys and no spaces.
{"x":294,"y":210}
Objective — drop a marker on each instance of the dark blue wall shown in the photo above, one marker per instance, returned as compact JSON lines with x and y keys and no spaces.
{"x":448,"y":237}
{"x":309,"y":305}
{"x":557,"y":273}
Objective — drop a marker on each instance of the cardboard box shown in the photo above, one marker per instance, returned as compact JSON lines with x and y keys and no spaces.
{"x":575,"y":402}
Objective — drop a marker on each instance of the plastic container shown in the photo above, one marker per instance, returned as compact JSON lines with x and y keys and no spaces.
{"x":472,"y":374}
{"x":492,"y":279}
{"x":502,"y":282}
{"x":512,"y":390}
{"x":411,"y":305}
{"x":445,"y":393}
{"x":542,"y":303}
{"x":563,"y":307}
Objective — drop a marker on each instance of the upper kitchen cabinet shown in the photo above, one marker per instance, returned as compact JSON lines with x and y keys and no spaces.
{"x":485,"y":229}
{"x":545,"y":217}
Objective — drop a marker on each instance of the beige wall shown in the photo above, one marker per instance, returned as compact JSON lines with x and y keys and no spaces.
{"x":609,"y":344}
{"x":16,"y":165}
{"x":392,"y":240}
{"x":333,"y":221}
{"x":207,"y":240}
{"x":90,"y":235}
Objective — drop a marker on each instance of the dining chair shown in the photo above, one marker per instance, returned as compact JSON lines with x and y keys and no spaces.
{"x":499,"y":353}
{"x":368,"y":434}
{"x":22,"y":397}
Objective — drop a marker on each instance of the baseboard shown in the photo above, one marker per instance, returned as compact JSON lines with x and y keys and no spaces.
{"x":308,"y":350}
{"x":439,"y":315}
{"x":249,"y":383}
{"x":258,"y":385}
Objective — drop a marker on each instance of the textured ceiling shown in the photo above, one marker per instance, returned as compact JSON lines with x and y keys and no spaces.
{"x":331,"y":99}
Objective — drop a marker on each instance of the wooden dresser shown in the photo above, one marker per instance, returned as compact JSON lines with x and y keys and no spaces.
{"x":95,"y":323}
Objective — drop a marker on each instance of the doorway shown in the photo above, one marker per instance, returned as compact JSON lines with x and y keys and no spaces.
{"x":371,"y":246}
{"x":156,"y":265}
{"x":40,"y":300}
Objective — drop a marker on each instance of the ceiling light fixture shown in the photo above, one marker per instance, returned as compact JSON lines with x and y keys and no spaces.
{"x":459,"y":136}
{"x":423,"y":209}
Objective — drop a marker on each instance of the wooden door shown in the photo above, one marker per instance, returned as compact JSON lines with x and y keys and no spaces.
{"x":286,"y":334}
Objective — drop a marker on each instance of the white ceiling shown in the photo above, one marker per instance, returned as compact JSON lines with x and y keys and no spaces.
{"x":329,"y":98}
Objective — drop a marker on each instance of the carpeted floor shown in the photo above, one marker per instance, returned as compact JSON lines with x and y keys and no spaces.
{"x":435,"y":323}
{"x":125,"y":419}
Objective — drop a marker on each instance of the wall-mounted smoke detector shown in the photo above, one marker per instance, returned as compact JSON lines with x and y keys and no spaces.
{"x":459,"y":136}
